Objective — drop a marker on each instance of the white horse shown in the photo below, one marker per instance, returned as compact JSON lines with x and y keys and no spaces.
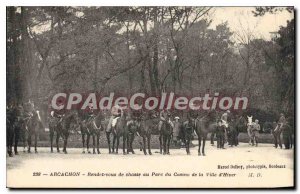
{"x":249,"y":126}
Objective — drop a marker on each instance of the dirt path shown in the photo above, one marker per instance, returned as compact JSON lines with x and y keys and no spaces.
{"x":107,"y":167}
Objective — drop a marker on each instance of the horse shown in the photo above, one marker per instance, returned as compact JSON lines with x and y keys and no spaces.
{"x":249,"y":128}
{"x":94,"y":126}
{"x":85,"y":135}
{"x":232,"y":133}
{"x":10,"y":131}
{"x":166,"y":134}
{"x":64,"y":127}
{"x":118,"y":130}
{"x":132,"y":128}
{"x":203,"y":126}
{"x":55,"y":126}
{"x":149,"y":126}
{"x":188,"y":128}
{"x":32,"y":127}
{"x":241,"y":126}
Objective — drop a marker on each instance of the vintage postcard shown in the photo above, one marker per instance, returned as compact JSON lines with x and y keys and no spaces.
{"x":150,"y":97}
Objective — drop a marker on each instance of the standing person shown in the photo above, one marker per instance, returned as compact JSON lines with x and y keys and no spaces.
{"x":220,"y":130}
{"x":281,"y":122}
{"x":225,"y":118}
{"x":176,"y":131}
{"x":255,"y":132}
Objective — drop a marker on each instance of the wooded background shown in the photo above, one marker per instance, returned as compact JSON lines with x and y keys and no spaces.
{"x":146,"y":49}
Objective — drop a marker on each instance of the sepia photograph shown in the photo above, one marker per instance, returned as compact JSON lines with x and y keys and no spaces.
{"x":150,"y":97}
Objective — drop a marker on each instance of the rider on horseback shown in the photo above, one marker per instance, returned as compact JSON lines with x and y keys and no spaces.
{"x":165,"y":116}
{"x":135,"y":116}
{"x":116,"y":113}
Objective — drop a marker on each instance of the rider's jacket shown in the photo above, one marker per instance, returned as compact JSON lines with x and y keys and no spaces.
{"x":193,"y":114}
{"x":116,"y":111}
{"x":136,"y":114}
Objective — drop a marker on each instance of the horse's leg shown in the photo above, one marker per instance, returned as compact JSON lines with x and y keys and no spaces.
{"x":199,"y":146}
{"x":65,"y":142}
{"x":131,"y":142}
{"x":160,"y":144}
{"x":108,"y":141}
{"x":83,"y":142}
{"x":168,"y":144}
{"x":57,"y":140}
{"x":29,"y":142}
{"x":118,"y":141}
{"x":199,"y":142}
{"x":187,"y":144}
{"x":144,"y":146}
{"x":128,"y":143}
{"x":279,"y":139}
{"x":17,"y":135}
{"x":124,"y":143}
{"x":203,"y":146}
{"x":165,"y":144}
{"x":51,"y":140}
{"x":98,"y":143}
{"x":149,"y":144}
{"x":35,"y":142}
{"x":88,"y":142}
{"x":113,"y":145}
{"x":94,"y":143}
{"x":24,"y":136}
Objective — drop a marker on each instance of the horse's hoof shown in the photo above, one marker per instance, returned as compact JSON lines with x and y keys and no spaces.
{"x":83,"y":152}
{"x":10,"y":155}
{"x":98,"y":152}
{"x":164,"y":153}
{"x":133,"y":152}
{"x":168,"y":153}
{"x":141,"y":149}
{"x":145,"y":153}
{"x":16,"y":153}
{"x":199,"y":154}
{"x":150,"y":153}
{"x":188,"y":153}
{"x":203,"y":154}
{"x":51,"y":151}
{"x":89,"y":152}
{"x":94,"y":152}
{"x":124,"y":153}
{"x":28,"y":151}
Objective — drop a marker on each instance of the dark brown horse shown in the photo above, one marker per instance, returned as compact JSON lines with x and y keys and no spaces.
{"x":10,"y":130}
{"x":63,"y":127}
{"x":117,"y":131}
{"x":55,"y":127}
{"x":149,"y":126}
{"x":33,"y":126}
{"x":95,"y":126}
{"x":203,"y":126}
